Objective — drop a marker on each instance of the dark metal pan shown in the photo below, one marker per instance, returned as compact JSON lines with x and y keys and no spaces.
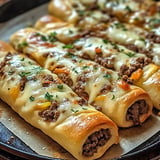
{"x":12,"y":148}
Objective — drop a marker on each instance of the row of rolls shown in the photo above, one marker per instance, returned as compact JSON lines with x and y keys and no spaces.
{"x":77,"y":76}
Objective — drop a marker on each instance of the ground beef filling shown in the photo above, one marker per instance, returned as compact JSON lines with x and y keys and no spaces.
{"x":153,"y":38}
{"x":107,"y":62}
{"x":136,"y":110}
{"x":66,"y":79}
{"x":126,"y":71}
{"x":95,"y":140}
{"x":139,"y":50}
{"x":80,"y":86}
{"x":4,"y":63}
{"x":51,"y":114}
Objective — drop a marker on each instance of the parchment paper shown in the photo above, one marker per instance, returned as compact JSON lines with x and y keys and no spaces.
{"x":39,"y":142}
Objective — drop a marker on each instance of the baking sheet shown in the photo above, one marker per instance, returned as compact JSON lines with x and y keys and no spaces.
{"x":39,"y":142}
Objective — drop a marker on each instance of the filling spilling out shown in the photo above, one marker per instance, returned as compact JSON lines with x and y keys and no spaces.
{"x":136,"y":110}
{"x":94,"y":141}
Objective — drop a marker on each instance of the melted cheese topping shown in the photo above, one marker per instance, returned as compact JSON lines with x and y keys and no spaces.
{"x":127,"y":34}
{"x":35,"y":97}
{"x":121,"y":56}
{"x":96,"y":78}
{"x":94,"y":75}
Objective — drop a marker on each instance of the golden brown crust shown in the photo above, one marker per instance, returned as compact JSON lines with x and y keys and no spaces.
{"x":34,"y":98}
{"x":120,"y":97}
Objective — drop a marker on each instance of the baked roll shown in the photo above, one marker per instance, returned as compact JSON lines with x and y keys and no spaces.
{"x":132,"y":66}
{"x":78,"y":13}
{"x":144,"y":13}
{"x":45,"y":102}
{"x":134,"y":38}
{"x":97,"y":85}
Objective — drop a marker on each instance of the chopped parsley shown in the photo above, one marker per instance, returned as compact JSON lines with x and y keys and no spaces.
{"x":154,"y":21}
{"x":85,"y":67}
{"x":31,"y":98}
{"x":22,"y":59}
{"x":74,"y":110}
{"x":69,"y":54}
{"x":60,"y":86}
{"x":105,"y":41}
{"x":113,"y":97}
{"x":119,"y":25}
{"x":48,"y":96}
{"x":75,"y":70}
{"x":37,"y":69}
{"x":24,"y":74}
{"x":10,"y":72}
{"x":89,"y":45}
{"x":128,"y":9}
{"x":23,"y":44}
{"x":108,"y":76}
{"x":70,"y":31}
{"x":81,"y":13}
{"x":69,"y":46}
{"x":52,"y":37}
{"x":130,"y":54}
{"x":143,"y":40}
{"x":29,"y":62}
{"x":43,"y":38}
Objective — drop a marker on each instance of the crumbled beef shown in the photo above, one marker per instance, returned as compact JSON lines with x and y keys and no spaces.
{"x":86,"y":56}
{"x":45,"y":54}
{"x":2,"y":64}
{"x":98,"y":108}
{"x":66,"y":79}
{"x":94,"y":141}
{"x":136,"y":110}
{"x":105,"y":89}
{"x":153,"y":38}
{"x":46,"y":80}
{"x":23,"y":81}
{"x":80,"y":86}
{"x":93,"y":6}
{"x":82,"y":102}
{"x":107,"y":62}
{"x":139,"y":50}
{"x":51,"y":114}
{"x":126,"y":71}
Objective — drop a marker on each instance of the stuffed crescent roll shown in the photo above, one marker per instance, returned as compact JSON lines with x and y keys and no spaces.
{"x":45,"y":102}
{"x":144,"y":13}
{"x":133,"y":67}
{"x":75,"y":12}
{"x":95,"y":84}
{"x":134,"y":38}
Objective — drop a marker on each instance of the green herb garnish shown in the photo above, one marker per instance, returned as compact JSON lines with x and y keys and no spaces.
{"x":105,"y":41}
{"x":113,"y":97}
{"x":74,"y":110}
{"x":130,"y":54}
{"x":60,"y":86}
{"x":48,"y":96}
{"x":31,"y":98}
{"x":69,"y":46}
{"x":108,"y":76}
{"x":24,"y":74}
{"x":23,"y":44}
